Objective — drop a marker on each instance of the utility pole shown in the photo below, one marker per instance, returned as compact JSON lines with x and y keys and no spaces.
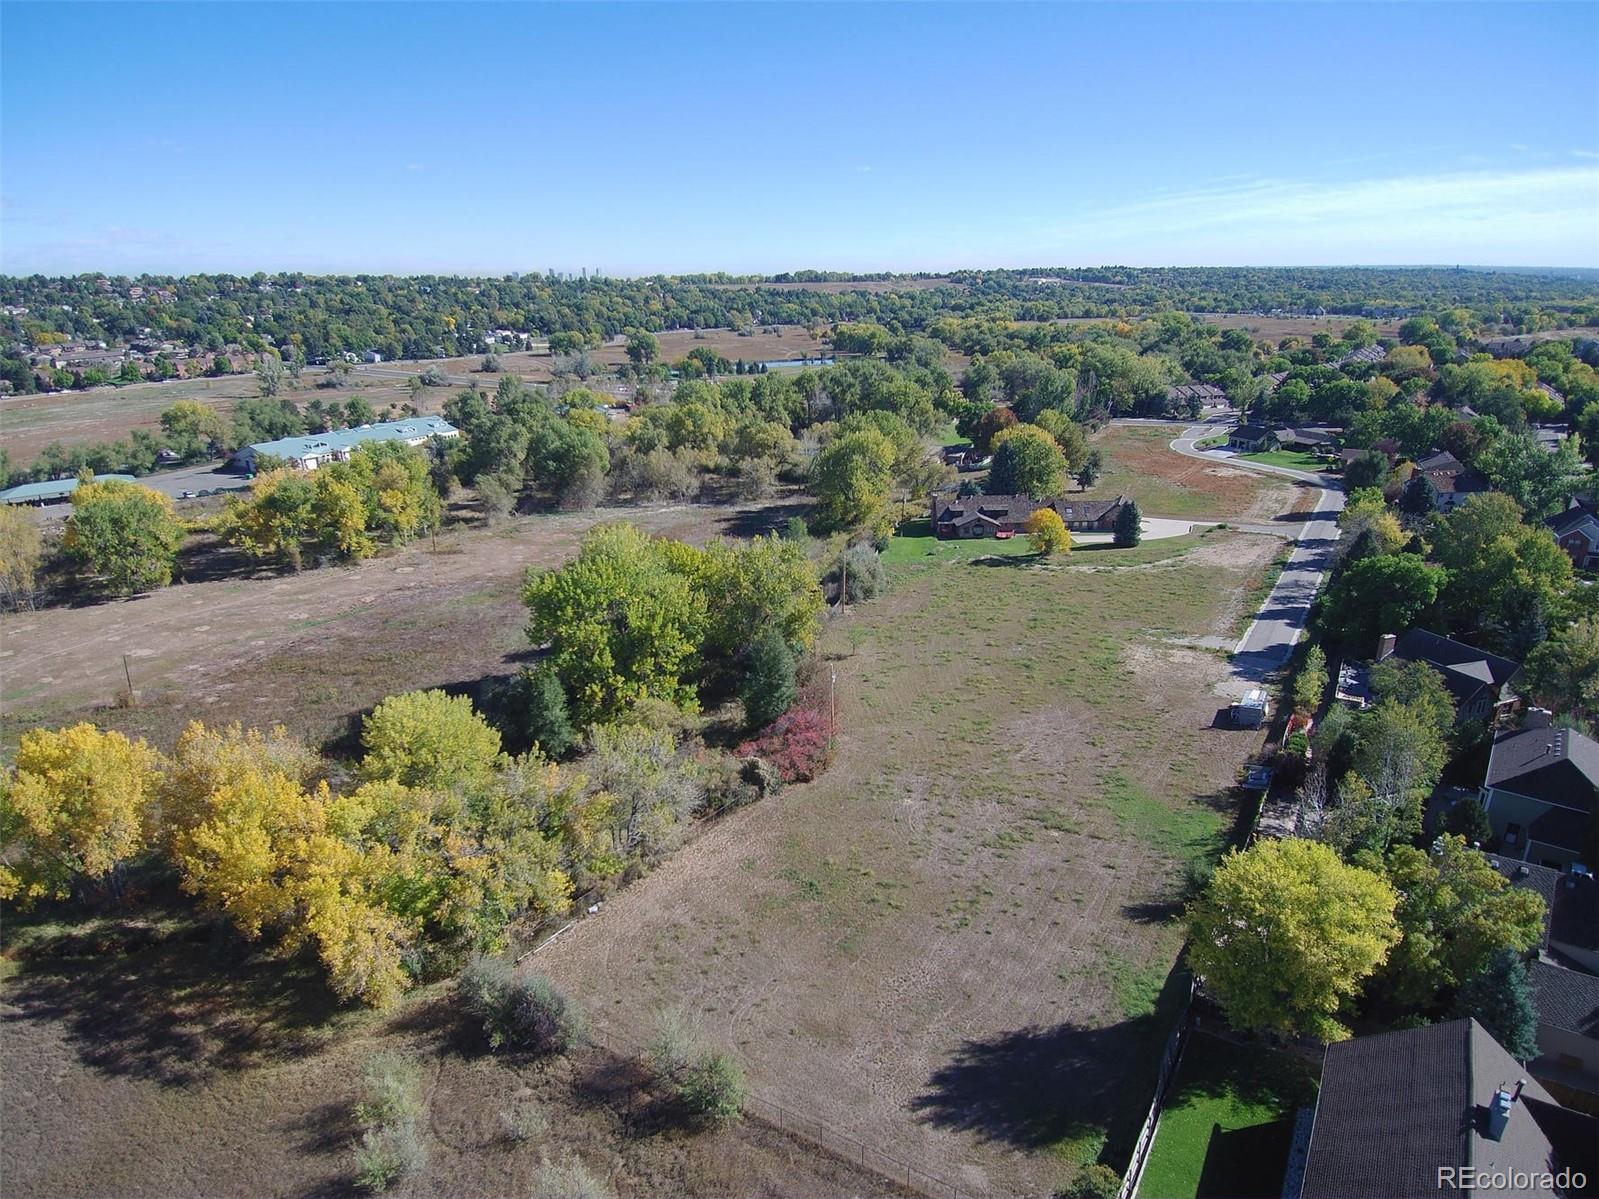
{"x":832,"y":698}
{"x":128,"y":674}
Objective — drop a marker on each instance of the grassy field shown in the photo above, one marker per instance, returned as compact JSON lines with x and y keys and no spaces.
{"x":956,"y":943}
{"x":1226,"y":1127}
{"x":1296,"y":459}
{"x":1138,"y":461}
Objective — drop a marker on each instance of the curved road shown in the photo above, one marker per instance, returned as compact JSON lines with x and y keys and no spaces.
{"x":1270,"y":639}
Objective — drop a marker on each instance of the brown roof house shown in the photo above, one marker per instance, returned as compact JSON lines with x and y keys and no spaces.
{"x":1478,"y":682}
{"x":966,"y":516}
{"x":1452,"y":481}
{"x":1541,"y":793}
{"x":1435,"y":1111}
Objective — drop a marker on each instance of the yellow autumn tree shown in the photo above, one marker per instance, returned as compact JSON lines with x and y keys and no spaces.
{"x":205,"y":759}
{"x":1048,"y":533}
{"x":77,"y":805}
{"x":429,"y":739}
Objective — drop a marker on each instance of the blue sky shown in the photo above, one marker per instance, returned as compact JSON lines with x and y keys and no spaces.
{"x":754,"y":137}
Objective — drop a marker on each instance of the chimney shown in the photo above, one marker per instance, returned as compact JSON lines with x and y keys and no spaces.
{"x":1538,"y":718}
{"x":1385,"y":646}
{"x":1499,"y":1110}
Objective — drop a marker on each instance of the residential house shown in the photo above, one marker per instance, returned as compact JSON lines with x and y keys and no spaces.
{"x":1249,"y":439}
{"x":1365,"y":356}
{"x":1548,"y":437}
{"x":1565,"y":979}
{"x":1309,"y":438}
{"x":1478,"y":682}
{"x":1577,"y":531}
{"x":1541,"y":793}
{"x":1201,"y":395}
{"x":960,"y":517}
{"x":1397,"y":1108}
{"x":318,"y":449}
{"x":1452,"y":481}
{"x":1386,"y":446}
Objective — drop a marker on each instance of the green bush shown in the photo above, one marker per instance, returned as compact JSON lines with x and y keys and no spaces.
{"x":1096,"y":1181}
{"x":526,"y":1014}
{"x":860,"y":569}
{"x":711,"y":1089}
{"x":768,"y":688}
{"x":391,"y":1091}
{"x":385,"y":1155}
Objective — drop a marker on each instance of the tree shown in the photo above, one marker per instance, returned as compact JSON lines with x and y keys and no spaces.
{"x":1286,"y":932}
{"x":989,"y":425}
{"x":192,"y":430}
{"x":1311,"y":683}
{"x":1026,"y":462}
{"x":1455,"y":914}
{"x":1500,"y":568}
{"x":21,"y":552}
{"x":1539,"y":480}
{"x":1467,"y":820}
{"x":1419,"y":497}
{"x":768,"y":689}
{"x":429,"y":739}
{"x":852,"y":479}
{"x":1129,"y":528}
{"x":125,"y":535}
{"x":1499,"y":997}
{"x":544,"y":713}
{"x":274,"y":520}
{"x":766,"y":583}
{"x":621,"y":623}
{"x":1088,"y":474}
{"x":1370,"y":469}
{"x":1380,"y":595}
{"x":269,"y":371}
{"x":642,"y":348}
{"x":1048,"y":533}
{"x":1563,"y":672}
{"x":77,"y":805}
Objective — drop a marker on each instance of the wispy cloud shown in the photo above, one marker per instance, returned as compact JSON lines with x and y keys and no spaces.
{"x":1585,"y":153}
{"x":1467,"y":216}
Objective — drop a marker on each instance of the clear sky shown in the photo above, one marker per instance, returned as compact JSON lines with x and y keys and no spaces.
{"x":752,"y":137}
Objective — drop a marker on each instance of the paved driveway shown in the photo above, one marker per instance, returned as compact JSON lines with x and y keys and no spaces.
{"x":1270,"y":639}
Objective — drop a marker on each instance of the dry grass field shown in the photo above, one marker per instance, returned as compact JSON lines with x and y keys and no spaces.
{"x":955,"y":942}
{"x":1139,"y":462}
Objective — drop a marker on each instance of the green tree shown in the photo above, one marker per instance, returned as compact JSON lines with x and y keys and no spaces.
{"x":545,"y":718}
{"x":1286,"y":932}
{"x":429,"y":739}
{"x":852,"y":479}
{"x":191,"y":429}
{"x":1455,"y":913}
{"x":1088,"y":474}
{"x":1129,"y":528}
{"x":77,"y":805}
{"x":1311,"y":682}
{"x":1499,"y":567}
{"x":1026,"y":462}
{"x":1384,"y":594}
{"x":1370,"y":469}
{"x":269,"y":373}
{"x":1563,"y":672}
{"x":1499,"y":997}
{"x":621,"y":623}
{"x":124,"y":535}
{"x":642,"y":348}
{"x":768,"y":688}
{"x":1542,"y":482}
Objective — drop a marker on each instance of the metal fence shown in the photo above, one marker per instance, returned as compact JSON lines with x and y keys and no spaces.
{"x":816,"y":1133}
{"x":1169,"y":1061}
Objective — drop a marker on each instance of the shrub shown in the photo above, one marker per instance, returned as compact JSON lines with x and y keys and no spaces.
{"x":712,"y":1088}
{"x":673,"y":1046}
{"x":861,"y":572}
{"x":569,"y":1179}
{"x":768,"y":686}
{"x":529,"y":1014}
{"x":391,"y":1091}
{"x":385,"y":1155}
{"x":795,"y":530}
{"x":1096,"y":1181}
{"x":798,"y":744}
{"x":524,"y":1120}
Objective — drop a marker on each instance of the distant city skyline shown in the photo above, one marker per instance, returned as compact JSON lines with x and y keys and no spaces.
{"x":666,"y":138}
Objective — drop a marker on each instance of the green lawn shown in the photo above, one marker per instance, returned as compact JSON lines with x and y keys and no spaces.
{"x":1295,"y":459}
{"x":1226,"y":1128}
{"x":915,"y":545}
{"x":949,"y":435}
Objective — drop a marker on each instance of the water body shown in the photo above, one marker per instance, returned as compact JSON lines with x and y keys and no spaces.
{"x":780,"y":363}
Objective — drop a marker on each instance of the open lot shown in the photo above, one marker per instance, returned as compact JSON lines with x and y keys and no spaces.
{"x":1138,"y":462}
{"x":956,"y":941}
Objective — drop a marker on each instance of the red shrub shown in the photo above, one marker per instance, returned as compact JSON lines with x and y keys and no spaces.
{"x":799,"y":744}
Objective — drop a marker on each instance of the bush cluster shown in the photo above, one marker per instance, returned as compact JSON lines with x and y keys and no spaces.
{"x":798,"y":745}
{"x":526,"y":1013}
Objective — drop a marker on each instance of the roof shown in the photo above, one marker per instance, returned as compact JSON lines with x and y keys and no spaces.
{"x":415,"y":427}
{"x":1565,"y":998}
{"x":1556,"y":765}
{"x":1467,"y":479}
{"x":1251,"y":432}
{"x":54,"y":489}
{"x":1572,"y":519}
{"x":1571,"y":901}
{"x":958,"y":509}
{"x":1396,"y":1106}
{"x":1443,"y":460}
{"x":1466,"y":670}
{"x":1366,"y":354}
{"x":1195,"y":391}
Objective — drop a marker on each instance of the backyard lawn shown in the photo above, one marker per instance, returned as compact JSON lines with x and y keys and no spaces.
{"x":1227,"y":1125}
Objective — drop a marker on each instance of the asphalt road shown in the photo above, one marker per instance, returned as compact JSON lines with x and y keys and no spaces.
{"x":1277,"y":626}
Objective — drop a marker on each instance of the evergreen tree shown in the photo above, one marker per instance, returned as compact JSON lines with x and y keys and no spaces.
{"x":1500,"y":997}
{"x":1129,"y":525}
{"x":1419,"y":497}
{"x":544,"y":713}
{"x":768,"y":689}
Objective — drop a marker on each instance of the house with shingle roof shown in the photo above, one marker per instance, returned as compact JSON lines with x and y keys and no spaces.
{"x":957,"y":516}
{"x":1452,"y":481}
{"x":1541,"y":794}
{"x":1568,"y":1026}
{"x":1577,"y":531}
{"x":1478,"y":682}
{"x":1396,"y":1108}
